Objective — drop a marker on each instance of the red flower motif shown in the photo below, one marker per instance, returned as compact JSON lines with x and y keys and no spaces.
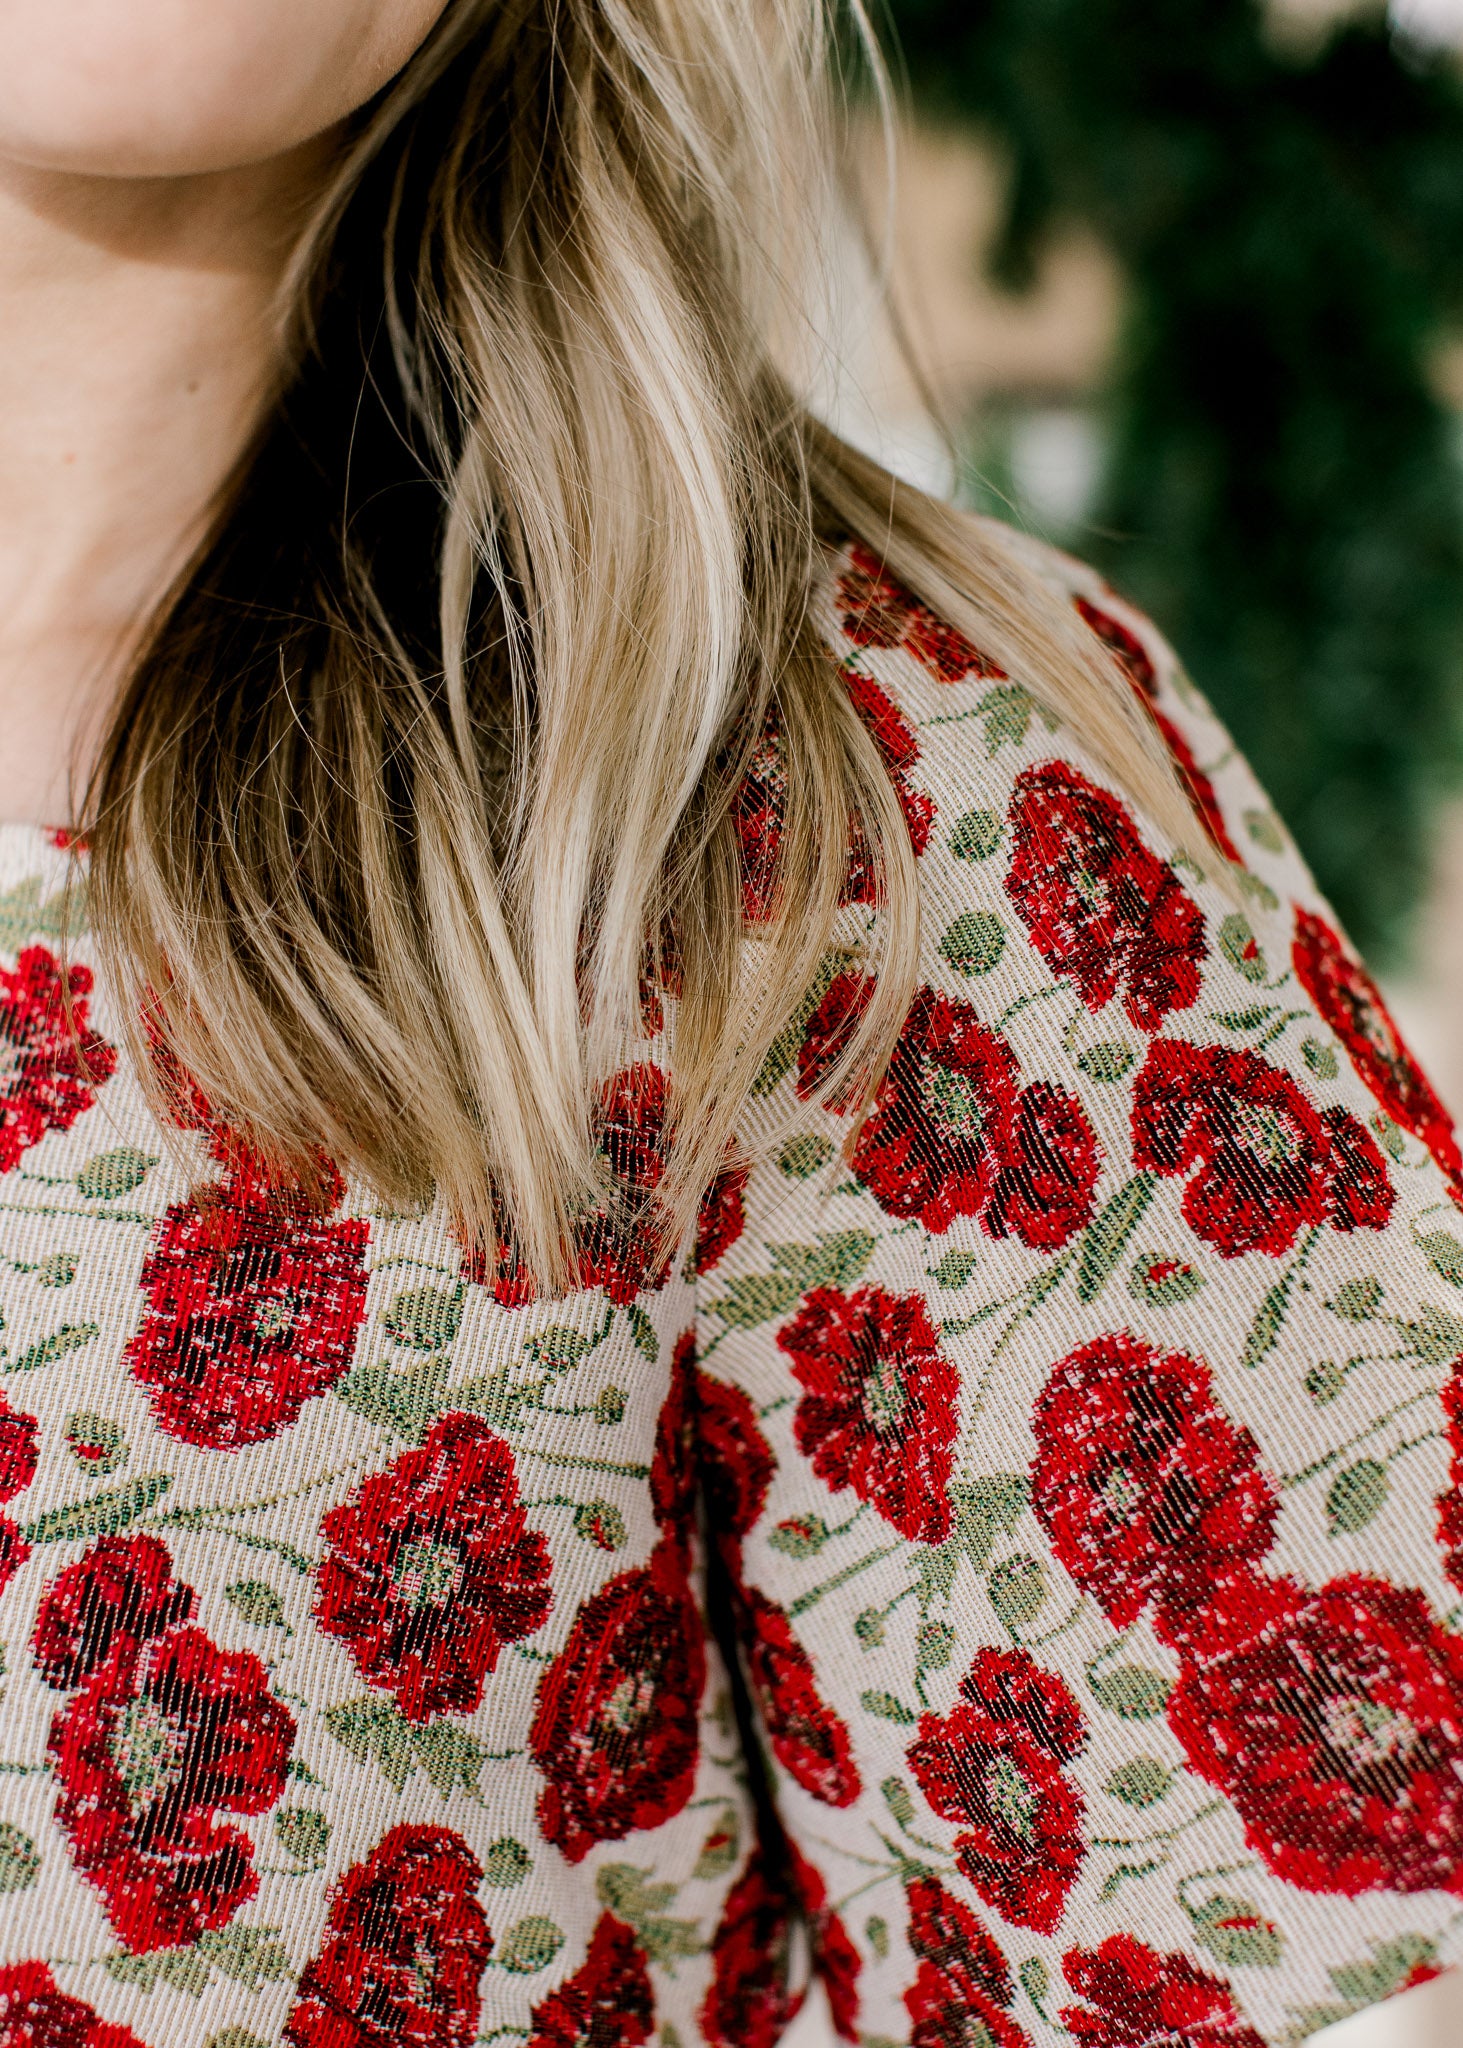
{"x":36,"y":2013}
{"x":899,"y":749}
{"x":122,"y":1590}
{"x":835,"y":1958}
{"x":162,"y":1738}
{"x":735,"y":1460}
{"x":880,"y":1413}
{"x":673,"y":1467}
{"x":254,"y":1300}
{"x":952,"y":1133}
{"x":615,"y":1733}
{"x":993,"y":1766}
{"x":751,"y":2001}
{"x":18,"y":1434}
{"x":1100,"y":907}
{"x":960,"y":1996}
{"x":877,"y":611}
{"x":721,"y":1218}
{"x":1263,"y":1163}
{"x":1146,"y":2000}
{"x":1352,"y":1005}
{"x":607,"y":2003}
{"x":618,"y":1243}
{"x":1333,"y":1720}
{"x":18,"y":1452}
{"x":808,"y":1738}
{"x":1145,"y":1487}
{"x":51,"y":1063}
{"x":1133,"y":659}
{"x":404,"y":1949}
{"x":432,"y":1568}
{"x":1450,"y":1503}
{"x":759,"y":807}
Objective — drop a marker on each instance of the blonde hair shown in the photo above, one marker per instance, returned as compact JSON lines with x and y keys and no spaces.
{"x":439,"y":737}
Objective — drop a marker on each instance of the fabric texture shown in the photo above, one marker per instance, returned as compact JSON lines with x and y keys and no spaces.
{"x":1074,"y":1453}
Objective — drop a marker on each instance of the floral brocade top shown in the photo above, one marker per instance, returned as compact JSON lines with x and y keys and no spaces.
{"x":1012,"y":1566}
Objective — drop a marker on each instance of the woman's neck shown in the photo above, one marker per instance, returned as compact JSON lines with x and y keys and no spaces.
{"x":136,"y":348}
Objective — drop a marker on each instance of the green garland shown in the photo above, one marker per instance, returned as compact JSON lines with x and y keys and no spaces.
{"x":1282,"y":488}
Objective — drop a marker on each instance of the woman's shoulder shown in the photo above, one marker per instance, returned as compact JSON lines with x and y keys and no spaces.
{"x":957,"y":728}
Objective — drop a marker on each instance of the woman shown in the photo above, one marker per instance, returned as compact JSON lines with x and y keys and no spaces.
{"x":659,"y":1042}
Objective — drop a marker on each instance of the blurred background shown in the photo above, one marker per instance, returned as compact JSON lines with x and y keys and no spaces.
{"x":1184,"y":279}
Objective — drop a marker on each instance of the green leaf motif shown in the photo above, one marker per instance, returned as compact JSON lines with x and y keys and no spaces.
{"x":1237,"y":1932}
{"x":529,"y":1945}
{"x":1265,"y":829}
{"x":1141,"y":1782}
{"x":642,"y":1329}
{"x":1321,"y":1059}
{"x":20,"y":1860}
{"x":781,"y":1056}
{"x":1357,"y":1301}
{"x":426,"y":1318}
{"x":600,"y":1522}
{"x":722,"y":1847}
{"x":558,"y":1347}
{"x":1109,"y":1231}
{"x":1005,"y":713}
{"x":1163,"y":1281}
{"x":1436,"y":1336}
{"x":406,"y":1402}
{"x":754,"y":1298}
{"x":899,"y":1800}
{"x":57,"y":1269}
{"x":376,"y":1729}
{"x":506,"y":1863}
{"x":109,"y":1174}
{"x":1359,"y":1985}
{"x":103,"y":1515}
{"x":977,"y":835}
{"x":887,"y":1708}
{"x":95,"y":1443}
{"x":630,"y":1894}
{"x":837,"y":1259}
{"x":1357,"y":1496}
{"x":1444,"y":1254}
{"x":934,"y":1646}
{"x":1131,"y":1691}
{"x":876,"y":1934}
{"x":955,"y":1268}
{"x":975,"y":942}
{"x":799,"y":1535}
{"x":303,"y":1834}
{"x":1018,"y":1591}
{"x":985,"y":1509}
{"x":800,"y":1158}
{"x":1107,"y":1062}
{"x":70,"y":1337}
{"x":257,"y":1603}
{"x":24,"y":914}
{"x":252,"y":1956}
{"x":1035,"y":1980}
{"x":1244,"y":1020}
{"x":1325,"y":1381}
{"x":1238,"y":944}
{"x":1392,"y":1141}
{"x":1264,"y":1331}
{"x":235,"y":2037}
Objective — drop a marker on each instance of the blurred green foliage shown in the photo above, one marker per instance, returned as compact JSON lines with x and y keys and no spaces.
{"x":1282,"y":484}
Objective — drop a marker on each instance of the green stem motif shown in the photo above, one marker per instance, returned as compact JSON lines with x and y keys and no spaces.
{"x":573,"y":1461}
{"x":1324,"y":1464}
{"x":850,"y":1571}
{"x":1159,"y":1834}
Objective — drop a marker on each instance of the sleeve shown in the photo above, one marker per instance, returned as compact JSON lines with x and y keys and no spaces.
{"x":1084,"y":1442}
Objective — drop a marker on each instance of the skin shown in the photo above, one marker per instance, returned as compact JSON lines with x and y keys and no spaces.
{"x":156,"y":160}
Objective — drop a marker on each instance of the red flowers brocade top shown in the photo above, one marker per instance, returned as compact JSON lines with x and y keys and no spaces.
{"x":1077,"y":1460}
